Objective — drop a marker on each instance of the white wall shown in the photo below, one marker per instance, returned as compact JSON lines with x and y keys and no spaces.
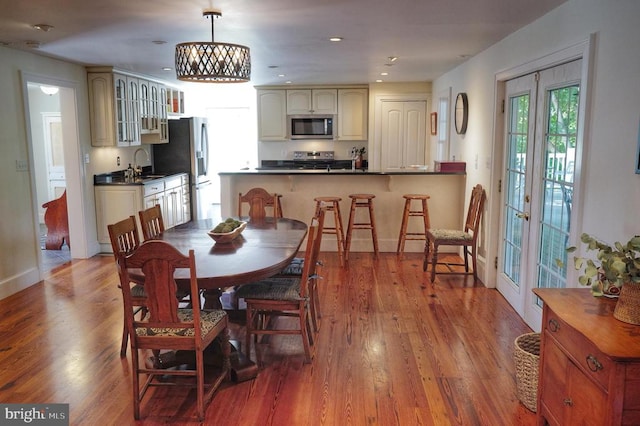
{"x":611,"y":189}
{"x":19,"y":243}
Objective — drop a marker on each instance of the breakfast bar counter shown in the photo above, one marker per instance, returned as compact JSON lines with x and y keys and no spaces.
{"x":299,"y":188}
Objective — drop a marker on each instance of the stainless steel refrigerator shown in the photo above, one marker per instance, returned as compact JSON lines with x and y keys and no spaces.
{"x":188,"y":152}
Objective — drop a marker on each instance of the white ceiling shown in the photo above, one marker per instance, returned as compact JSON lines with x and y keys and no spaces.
{"x":429,"y":37}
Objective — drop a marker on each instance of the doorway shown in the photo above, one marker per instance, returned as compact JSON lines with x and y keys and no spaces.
{"x":542,"y":124}
{"x":62,"y":165}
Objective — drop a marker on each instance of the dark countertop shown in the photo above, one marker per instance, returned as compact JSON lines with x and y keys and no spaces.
{"x":362,"y":172}
{"x":118,"y":177}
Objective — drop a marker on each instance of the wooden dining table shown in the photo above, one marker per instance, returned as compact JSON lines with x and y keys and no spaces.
{"x":262,"y":250}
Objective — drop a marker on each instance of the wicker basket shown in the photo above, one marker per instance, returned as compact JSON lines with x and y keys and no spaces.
{"x":628,"y":304}
{"x":527,"y":358}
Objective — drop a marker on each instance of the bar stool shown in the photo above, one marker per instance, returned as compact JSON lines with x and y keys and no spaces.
{"x":423,"y":212}
{"x":364,"y":201}
{"x":332,"y":204}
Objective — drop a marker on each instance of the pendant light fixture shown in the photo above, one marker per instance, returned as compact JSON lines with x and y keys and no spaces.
{"x":211,"y":62}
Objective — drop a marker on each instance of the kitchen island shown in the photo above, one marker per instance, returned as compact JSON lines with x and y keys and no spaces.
{"x":299,"y":187}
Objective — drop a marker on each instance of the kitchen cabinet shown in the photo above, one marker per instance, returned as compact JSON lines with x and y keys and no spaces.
{"x":589,"y":364}
{"x":312,"y":101}
{"x":114,"y":113}
{"x":353,"y":112}
{"x":403,"y":133}
{"x":116,"y":202}
{"x":153,"y":112}
{"x":174,"y":101}
{"x":125,"y":110}
{"x":272,"y":115}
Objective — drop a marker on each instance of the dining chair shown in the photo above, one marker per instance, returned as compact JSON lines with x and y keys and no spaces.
{"x":296,"y":268}
{"x":125,"y":239}
{"x":168,"y":327}
{"x":467,"y":238}
{"x":258,"y":200}
{"x":275,"y":297}
{"x":152,"y":222}
{"x":152,"y":226}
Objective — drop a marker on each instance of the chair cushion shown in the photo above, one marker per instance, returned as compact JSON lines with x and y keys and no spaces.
{"x":272,"y":289}
{"x":451,"y":235}
{"x":208,"y":320}
{"x":295,"y":267}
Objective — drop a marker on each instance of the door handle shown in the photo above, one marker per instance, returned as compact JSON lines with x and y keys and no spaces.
{"x":524,"y":216}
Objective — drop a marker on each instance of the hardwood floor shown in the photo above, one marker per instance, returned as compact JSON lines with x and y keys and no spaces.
{"x":393,"y":349}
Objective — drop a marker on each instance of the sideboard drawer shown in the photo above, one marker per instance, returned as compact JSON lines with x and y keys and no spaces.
{"x":581,"y":350}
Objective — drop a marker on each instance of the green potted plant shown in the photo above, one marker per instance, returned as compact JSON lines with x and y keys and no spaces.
{"x":614,"y":273}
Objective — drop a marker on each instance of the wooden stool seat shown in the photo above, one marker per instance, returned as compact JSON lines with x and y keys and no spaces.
{"x":422,"y":212}
{"x":332,"y":204}
{"x":363,"y":201}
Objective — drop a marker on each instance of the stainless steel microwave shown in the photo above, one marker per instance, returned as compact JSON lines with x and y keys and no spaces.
{"x":311,"y":126}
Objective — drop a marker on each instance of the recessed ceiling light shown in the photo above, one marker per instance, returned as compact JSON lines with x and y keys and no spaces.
{"x":288,"y":82}
{"x":378,"y":81}
{"x":273,"y":66}
{"x":384,"y":73}
{"x":280,"y":75}
{"x":166,"y":68}
{"x":336,"y":39}
{"x":43,"y":27}
{"x":159,"y":42}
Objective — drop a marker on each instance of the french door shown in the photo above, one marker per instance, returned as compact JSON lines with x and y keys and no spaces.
{"x":541,"y":123}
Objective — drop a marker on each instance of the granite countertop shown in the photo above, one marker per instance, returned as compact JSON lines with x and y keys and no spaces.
{"x":118,"y":177}
{"x":362,"y":172}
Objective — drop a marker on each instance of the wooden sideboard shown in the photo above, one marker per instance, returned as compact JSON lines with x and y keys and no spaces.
{"x":589,"y":364}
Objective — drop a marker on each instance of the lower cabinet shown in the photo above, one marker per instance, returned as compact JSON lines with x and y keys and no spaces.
{"x":589,"y":364}
{"x":117,"y":202}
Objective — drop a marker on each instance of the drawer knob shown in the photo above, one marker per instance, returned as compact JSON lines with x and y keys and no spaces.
{"x":554,"y":325}
{"x":593,"y":363}
{"x":568,"y":402}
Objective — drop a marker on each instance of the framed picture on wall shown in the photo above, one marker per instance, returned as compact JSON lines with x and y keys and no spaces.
{"x":434,"y":123}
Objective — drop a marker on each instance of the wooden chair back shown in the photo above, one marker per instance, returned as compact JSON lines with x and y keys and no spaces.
{"x":124,"y":236}
{"x":474,"y":213}
{"x":158,"y":261}
{"x":258,"y":200}
{"x":151,"y":221}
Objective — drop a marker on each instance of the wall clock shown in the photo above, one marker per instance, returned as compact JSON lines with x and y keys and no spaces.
{"x":461,"y":113}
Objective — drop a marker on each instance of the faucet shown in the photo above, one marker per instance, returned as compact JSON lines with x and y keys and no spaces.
{"x":136,"y":167}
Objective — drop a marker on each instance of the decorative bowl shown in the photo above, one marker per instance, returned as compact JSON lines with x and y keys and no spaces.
{"x":227,"y":237}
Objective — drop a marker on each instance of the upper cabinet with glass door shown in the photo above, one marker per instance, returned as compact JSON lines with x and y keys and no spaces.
{"x":125,"y":110}
{"x":114,"y":112}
